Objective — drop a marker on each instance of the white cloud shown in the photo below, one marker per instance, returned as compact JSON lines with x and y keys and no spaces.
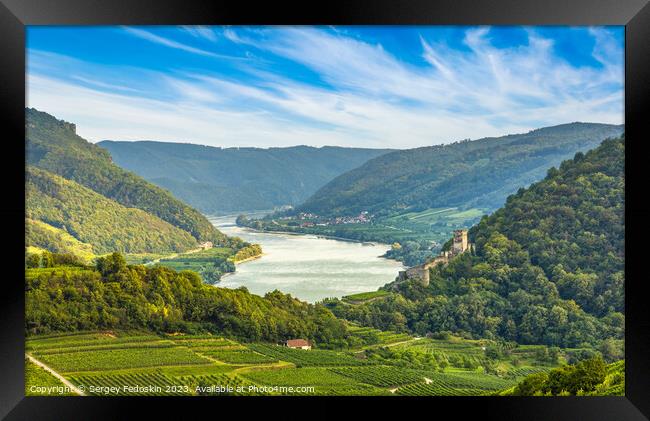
{"x":140,"y":33}
{"x":167,"y":42}
{"x":373,"y":99}
{"x":205,"y":32}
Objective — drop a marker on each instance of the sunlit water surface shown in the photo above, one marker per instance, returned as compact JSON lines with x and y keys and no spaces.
{"x":306,"y":266}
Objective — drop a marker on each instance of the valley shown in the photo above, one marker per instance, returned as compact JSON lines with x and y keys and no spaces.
{"x":131,"y":291}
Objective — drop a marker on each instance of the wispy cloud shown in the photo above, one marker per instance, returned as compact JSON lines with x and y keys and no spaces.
{"x":167,"y":42}
{"x":355,"y":91}
{"x":205,"y":32}
{"x":141,"y":33}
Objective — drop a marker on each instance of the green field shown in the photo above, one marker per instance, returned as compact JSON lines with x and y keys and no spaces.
{"x":365,"y":296}
{"x":144,"y":364}
{"x":434,"y":224}
{"x":210,"y":263}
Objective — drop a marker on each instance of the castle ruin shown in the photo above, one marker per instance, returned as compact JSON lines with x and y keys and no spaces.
{"x":459,"y":245}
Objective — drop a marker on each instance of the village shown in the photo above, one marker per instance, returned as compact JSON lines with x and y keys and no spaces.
{"x":313,"y":220}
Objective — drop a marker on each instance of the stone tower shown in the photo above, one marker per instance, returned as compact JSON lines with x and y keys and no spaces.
{"x":460,"y":244}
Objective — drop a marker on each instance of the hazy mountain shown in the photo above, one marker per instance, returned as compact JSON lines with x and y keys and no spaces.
{"x":231,"y":179}
{"x":479,"y":173}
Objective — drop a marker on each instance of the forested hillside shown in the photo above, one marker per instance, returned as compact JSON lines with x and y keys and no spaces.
{"x":54,"y":146}
{"x":466,"y":174}
{"x":52,"y":201}
{"x":547,"y":267}
{"x":233,"y":179}
{"x":114,"y":295}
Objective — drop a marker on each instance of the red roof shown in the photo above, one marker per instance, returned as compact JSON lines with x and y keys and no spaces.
{"x":298,"y":342}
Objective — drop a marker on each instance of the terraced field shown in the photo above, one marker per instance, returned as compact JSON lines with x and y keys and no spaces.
{"x":323,"y":381}
{"x":143,"y":364}
{"x":303,"y":358}
{"x":452,"y":384}
{"x":382,"y":376}
{"x":377,"y":337}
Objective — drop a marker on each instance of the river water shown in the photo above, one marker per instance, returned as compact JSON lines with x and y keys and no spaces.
{"x":306,"y":266}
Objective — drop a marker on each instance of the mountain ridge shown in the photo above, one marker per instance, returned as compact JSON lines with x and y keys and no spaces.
{"x":547,"y":267}
{"x":217,"y":180}
{"x":54,"y":146}
{"x":488,"y":169}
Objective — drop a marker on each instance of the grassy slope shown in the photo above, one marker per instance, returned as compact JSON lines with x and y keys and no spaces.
{"x":40,"y":236}
{"x":93,"y":219}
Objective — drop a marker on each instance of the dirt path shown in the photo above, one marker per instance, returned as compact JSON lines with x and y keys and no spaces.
{"x":55,"y":374}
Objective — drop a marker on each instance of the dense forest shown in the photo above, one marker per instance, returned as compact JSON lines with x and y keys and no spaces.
{"x":468,"y":174}
{"x":93,"y":219}
{"x":216,"y":180}
{"x":547,"y":267}
{"x":65,"y":295}
{"x":53,"y":145}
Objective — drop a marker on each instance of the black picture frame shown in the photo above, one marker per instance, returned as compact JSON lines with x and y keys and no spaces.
{"x":634,"y":14}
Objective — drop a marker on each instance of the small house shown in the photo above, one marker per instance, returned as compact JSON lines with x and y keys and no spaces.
{"x":298,"y":344}
{"x":206,"y":245}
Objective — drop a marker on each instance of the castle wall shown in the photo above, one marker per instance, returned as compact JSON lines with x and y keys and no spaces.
{"x":460,"y":244}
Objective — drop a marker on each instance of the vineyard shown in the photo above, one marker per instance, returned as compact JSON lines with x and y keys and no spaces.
{"x":144,"y":364}
{"x":377,"y":337}
{"x":306,"y":358}
{"x":323,"y":381}
{"x":382,"y":376}
{"x":37,"y":377}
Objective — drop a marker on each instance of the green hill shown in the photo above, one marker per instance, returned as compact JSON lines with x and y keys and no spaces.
{"x":466,"y":174}
{"x":59,"y":207}
{"x":54,"y":146}
{"x":40,"y":236}
{"x":234,"y":179}
{"x":547,"y":267}
{"x":114,"y":295}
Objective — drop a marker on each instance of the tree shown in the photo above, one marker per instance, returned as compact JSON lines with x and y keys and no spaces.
{"x":111,"y":264}
{"x":612,"y":349}
{"x":531,"y":385}
{"x":588,"y":374}
{"x":33,"y":260}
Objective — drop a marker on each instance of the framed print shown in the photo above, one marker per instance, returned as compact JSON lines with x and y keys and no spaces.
{"x":430,"y":203}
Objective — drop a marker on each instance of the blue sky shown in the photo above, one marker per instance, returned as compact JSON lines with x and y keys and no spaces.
{"x":397,"y":87}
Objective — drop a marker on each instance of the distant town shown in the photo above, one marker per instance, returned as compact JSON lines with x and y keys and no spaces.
{"x":312,"y":220}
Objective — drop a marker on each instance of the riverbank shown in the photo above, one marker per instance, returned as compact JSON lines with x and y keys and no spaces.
{"x":329,"y":237}
{"x":248,"y":259}
{"x":307,"y":266}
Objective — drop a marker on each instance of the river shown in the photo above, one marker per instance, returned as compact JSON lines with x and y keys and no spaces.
{"x":306,"y":266}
